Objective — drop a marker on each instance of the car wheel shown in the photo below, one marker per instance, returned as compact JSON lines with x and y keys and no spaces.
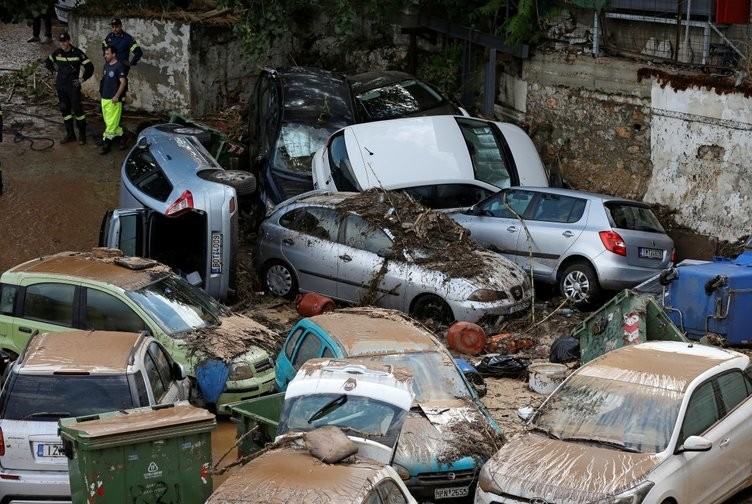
{"x":579,"y":284}
{"x":280,"y":280}
{"x":243,"y":182}
{"x":433,"y":307}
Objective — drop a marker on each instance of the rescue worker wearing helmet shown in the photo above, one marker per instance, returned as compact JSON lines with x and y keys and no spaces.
{"x":67,"y":60}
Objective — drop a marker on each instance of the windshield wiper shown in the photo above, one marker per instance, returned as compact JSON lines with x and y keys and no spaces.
{"x":332,"y":405}
{"x":59,"y":414}
{"x":603,"y":442}
{"x":547,"y":432}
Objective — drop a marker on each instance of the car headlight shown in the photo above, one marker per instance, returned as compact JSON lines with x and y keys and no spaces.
{"x":402,"y":471}
{"x":634,"y":495}
{"x":240,"y":371}
{"x":486,"y":295}
{"x":486,"y":481}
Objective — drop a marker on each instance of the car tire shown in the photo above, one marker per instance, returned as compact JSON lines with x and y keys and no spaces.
{"x":243,"y":182}
{"x":200,"y":134}
{"x":579,"y":284}
{"x":280,"y":280}
{"x":433,"y":307}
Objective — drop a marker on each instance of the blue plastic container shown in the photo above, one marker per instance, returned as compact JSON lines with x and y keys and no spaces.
{"x":714,"y":298}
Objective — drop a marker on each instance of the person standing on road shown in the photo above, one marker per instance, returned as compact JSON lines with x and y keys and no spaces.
{"x":124,"y":45}
{"x":36,"y":27}
{"x":68,"y":60}
{"x":112,"y":89}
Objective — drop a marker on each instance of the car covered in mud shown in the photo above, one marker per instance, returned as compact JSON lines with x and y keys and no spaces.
{"x":448,"y":432}
{"x":179,"y":207}
{"x":105,"y":291}
{"x":443,"y":161}
{"x":657,"y":422}
{"x":386,"y":249}
{"x":73,"y":375}
{"x":584,"y":243}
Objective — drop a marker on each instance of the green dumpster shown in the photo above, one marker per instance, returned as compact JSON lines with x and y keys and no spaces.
{"x":262,"y":412}
{"x":146,"y":455}
{"x":626,"y":319}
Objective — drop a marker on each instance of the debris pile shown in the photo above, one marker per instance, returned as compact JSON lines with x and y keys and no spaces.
{"x":233,"y":337}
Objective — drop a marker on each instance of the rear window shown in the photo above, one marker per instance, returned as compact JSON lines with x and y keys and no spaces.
{"x":45,"y":397}
{"x":296,"y":146}
{"x":341,"y":167}
{"x":633,"y":217}
{"x":491,"y":163}
{"x":399,"y":99}
{"x":144,"y":172}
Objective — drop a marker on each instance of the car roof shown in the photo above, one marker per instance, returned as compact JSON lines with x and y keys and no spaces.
{"x":306,"y":90}
{"x":371,"y":80}
{"x":128,"y":273}
{"x":579,"y":194}
{"x":672,"y":365}
{"x":375,"y":331}
{"x":79,"y":351}
{"x":294,"y":475}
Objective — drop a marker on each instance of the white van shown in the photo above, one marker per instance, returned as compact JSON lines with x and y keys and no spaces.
{"x":443,"y":161}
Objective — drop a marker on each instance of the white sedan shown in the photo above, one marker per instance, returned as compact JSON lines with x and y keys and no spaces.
{"x":659,"y":422}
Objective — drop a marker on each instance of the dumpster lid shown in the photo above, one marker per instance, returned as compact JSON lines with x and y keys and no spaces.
{"x":135,"y":420}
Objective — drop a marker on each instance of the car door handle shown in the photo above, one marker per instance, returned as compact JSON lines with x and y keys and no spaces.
{"x":725,"y":442}
{"x":567,"y":234}
{"x":287,"y":241}
{"x":512,"y":229}
{"x":345,"y":258}
{"x":24,"y":329}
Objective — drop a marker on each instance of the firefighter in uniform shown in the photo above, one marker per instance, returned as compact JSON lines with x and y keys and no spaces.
{"x":124,"y":45}
{"x":68,"y":61}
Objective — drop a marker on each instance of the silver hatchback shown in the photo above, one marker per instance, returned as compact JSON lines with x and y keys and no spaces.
{"x":352,"y":247}
{"x":582,"y":242}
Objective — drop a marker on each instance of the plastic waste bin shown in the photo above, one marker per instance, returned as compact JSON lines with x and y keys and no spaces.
{"x":262,"y":412}
{"x":628,"y":318}
{"x":153,"y":454}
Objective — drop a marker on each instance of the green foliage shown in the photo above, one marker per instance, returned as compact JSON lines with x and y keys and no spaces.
{"x":443,"y":69}
{"x":522,"y":28}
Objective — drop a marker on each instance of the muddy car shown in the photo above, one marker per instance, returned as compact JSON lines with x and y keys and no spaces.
{"x":180,"y":207}
{"x":385,"y":249}
{"x":74,"y":290}
{"x":656,"y":422}
{"x":448,"y":431}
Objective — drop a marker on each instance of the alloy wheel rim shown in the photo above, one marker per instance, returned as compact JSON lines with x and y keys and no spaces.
{"x":576,"y":286}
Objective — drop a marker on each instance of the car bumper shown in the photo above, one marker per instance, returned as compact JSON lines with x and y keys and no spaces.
{"x":473,"y":311}
{"x":242,"y":390}
{"x":440,"y":490}
{"x":482,"y":497}
{"x":613,"y":274}
{"x":29,"y":487}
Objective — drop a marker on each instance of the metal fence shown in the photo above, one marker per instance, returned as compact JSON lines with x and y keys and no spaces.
{"x":714,"y":35}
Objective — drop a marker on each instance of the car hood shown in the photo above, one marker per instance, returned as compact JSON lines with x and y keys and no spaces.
{"x":445,"y":435}
{"x":533,"y":466}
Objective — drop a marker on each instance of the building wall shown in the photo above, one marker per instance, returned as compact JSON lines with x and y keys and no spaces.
{"x":607,"y":131}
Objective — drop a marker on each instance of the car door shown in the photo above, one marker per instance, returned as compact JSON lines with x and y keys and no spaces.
{"x":159,"y":369}
{"x":44,"y":307}
{"x":366,"y":273}
{"x":710,"y":476}
{"x":126,"y":229}
{"x":553,"y":224}
{"x":495,"y":223}
{"x":304,"y":344}
{"x":310,"y":245}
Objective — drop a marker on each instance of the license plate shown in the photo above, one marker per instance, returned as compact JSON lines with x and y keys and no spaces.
{"x":216,"y":253}
{"x":519,"y":307}
{"x":650,"y":253}
{"x":49,"y":450}
{"x":448,"y":493}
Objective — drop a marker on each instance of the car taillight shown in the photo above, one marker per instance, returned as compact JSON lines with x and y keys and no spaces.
{"x":613,"y":242}
{"x":183,"y":203}
{"x":232,"y":206}
{"x":673,"y":256}
{"x":2,"y":444}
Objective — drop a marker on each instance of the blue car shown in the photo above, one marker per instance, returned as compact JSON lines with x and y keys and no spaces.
{"x":448,"y":433}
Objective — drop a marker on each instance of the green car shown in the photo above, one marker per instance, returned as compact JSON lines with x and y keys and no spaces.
{"x":75,"y":290}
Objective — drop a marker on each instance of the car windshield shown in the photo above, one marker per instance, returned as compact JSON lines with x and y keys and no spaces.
{"x":362,"y":414}
{"x":49,"y":397}
{"x":486,"y":154}
{"x":631,"y":416}
{"x":634,"y":217}
{"x":297,"y":144}
{"x":399,"y":99}
{"x":176,"y":305}
{"x":435,"y":375}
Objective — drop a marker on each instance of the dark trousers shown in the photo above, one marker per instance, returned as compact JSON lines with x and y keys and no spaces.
{"x":69,"y":97}
{"x":37,"y":25}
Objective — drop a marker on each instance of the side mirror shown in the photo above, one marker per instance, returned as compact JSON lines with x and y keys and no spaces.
{"x":695,"y":444}
{"x":474,"y":210}
{"x":178,"y":371}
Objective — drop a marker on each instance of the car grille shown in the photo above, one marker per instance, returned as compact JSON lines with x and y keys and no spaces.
{"x":263,"y":366}
{"x":517,"y":292}
{"x":463,"y":477}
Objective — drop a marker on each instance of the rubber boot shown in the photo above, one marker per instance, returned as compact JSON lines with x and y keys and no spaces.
{"x":106,"y":146}
{"x":70,"y":135}
{"x":81,"y":132}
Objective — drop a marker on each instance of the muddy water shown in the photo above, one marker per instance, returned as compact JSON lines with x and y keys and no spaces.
{"x":223,"y":441}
